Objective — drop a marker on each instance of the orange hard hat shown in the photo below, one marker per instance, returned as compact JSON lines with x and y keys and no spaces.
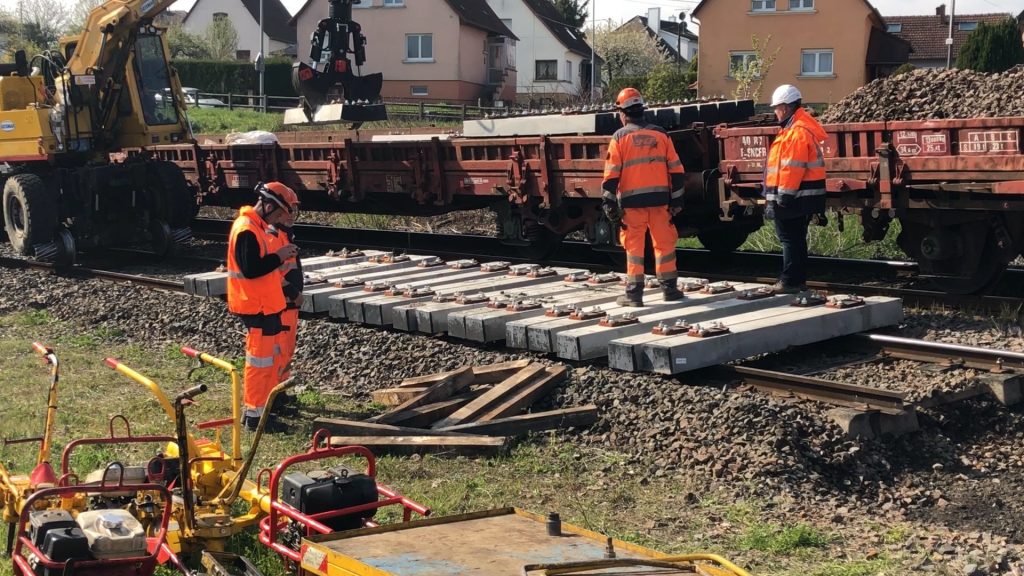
{"x":279,"y":194}
{"x":628,"y":97}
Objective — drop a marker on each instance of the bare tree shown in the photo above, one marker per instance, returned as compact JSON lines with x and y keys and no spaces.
{"x":221,"y":38}
{"x":751,"y":73}
{"x":79,"y":13}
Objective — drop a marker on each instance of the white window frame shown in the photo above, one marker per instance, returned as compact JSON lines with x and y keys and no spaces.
{"x":817,"y":62}
{"x":762,"y":5}
{"x":394,"y":3}
{"x":801,"y":5}
{"x":746,"y":56}
{"x":894,"y":27}
{"x":423,"y":90}
{"x":537,"y":77}
{"x":966,"y":26}
{"x":410,"y":58}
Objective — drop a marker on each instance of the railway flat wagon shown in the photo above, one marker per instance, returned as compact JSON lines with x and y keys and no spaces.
{"x":956,"y":187}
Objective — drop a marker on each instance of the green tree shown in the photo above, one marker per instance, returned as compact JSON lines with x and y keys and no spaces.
{"x":573,"y":12}
{"x":903,"y":69}
{"x":630,"y":55}
{"x":221,"y":39}
{"x":187,"y":46}
{"x":667,"y":82}
{"x":992,"y":47}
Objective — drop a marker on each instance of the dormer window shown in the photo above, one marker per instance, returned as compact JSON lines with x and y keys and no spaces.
{"x":967,"y":26}
{"x":894,"y":28}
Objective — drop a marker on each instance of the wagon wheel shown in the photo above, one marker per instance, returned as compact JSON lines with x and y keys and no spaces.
{"x":723,"y":240}
{"x":955,"y":262}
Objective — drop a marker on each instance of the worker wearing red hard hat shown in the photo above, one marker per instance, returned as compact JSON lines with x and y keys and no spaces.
{"x":643,"y":190}
{"x":794,"y":184}
{"x":255,"y":258}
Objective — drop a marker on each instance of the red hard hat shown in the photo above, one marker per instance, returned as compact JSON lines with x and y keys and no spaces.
{"x":279,"y":194}
{"x":628,"y":97}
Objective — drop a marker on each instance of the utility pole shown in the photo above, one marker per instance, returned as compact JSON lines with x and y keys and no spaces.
{"x":593,"y":51}
{"x":949,"y":39}
{"x":261,"y":66}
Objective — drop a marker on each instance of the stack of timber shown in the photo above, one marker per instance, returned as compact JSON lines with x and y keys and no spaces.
{"x":472,"y":411}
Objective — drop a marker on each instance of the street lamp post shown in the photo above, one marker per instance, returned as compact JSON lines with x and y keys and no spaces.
{"x":260,"y":64}
{"x":593,"y":51}
{"x":949,"y":39}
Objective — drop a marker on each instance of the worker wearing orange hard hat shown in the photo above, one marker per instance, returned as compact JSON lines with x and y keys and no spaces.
{"x":642,"y":191}
{"x":255,"y":259}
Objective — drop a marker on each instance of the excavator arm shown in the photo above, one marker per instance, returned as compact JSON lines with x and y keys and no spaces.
{"x":336,"y":47}
{"x":119,"y":64}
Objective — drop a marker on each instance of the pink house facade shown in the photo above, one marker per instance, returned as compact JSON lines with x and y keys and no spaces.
{"x":437,"y":50}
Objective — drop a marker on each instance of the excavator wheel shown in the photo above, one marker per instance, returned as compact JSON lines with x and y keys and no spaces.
{"x":172,"y":196}
{"x":30,"y":213}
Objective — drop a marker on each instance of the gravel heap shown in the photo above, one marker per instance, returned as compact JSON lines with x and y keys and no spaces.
{"x":926,"y":94}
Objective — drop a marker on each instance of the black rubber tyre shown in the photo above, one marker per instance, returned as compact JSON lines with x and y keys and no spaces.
{"x":173,"y":199}
{"x":30,"y":212}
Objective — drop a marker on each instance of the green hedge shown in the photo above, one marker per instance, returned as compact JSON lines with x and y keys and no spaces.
{"x":235,"y":77}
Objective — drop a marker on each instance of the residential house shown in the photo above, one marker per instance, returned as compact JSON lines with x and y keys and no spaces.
{"x":244,"y":15}
{"x":672,"y":35}
{"x":927,"y":34}
{"x":441,"y":50}
{"x":554,"y":60}
{"x":169,"y":18}
{"x":828,"y":48}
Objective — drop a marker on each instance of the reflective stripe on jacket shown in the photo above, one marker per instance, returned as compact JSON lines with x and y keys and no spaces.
{"x":639,"y":168}
{"x":249,"y":296}
{"x":796,"y":161}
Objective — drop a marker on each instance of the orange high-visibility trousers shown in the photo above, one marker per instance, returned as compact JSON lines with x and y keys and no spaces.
{"x":286,"y":342}
{"x":261,"y":352}
{"x":635,"y":224}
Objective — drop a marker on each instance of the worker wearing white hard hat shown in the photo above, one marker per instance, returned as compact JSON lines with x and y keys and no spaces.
{"x":794,"y":184}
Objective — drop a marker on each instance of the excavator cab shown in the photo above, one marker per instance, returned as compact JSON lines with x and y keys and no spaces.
{"x":337,"y":45}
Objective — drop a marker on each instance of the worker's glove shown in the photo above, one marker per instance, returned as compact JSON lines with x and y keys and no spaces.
{"x":819,"y":219}
{"x":613,"y":213}
{"x":769,"y":210}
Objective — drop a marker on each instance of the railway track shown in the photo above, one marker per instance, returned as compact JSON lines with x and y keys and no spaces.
{"x":859,"y":398}
{"x":736,"y":267}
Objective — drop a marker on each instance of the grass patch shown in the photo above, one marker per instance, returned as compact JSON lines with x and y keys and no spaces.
{"x":854,"y":568}
{"x":777,"y":539}
{"x":223,"y":121}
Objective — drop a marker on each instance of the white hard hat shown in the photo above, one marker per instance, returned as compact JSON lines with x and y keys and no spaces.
{"x":786,"y":94}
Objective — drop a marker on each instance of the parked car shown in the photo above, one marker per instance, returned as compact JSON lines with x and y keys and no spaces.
{"x":193,"y":99}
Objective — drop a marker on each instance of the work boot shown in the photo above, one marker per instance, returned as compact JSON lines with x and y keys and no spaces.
{"x":780,"y":288}
{"x":273,"y":426}
{"x":634,"y":295}
{"x":670,"y":291}
{"x":285,"y":405}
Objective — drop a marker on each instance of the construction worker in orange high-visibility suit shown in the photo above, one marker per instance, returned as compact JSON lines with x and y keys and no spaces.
{"x":643,"y":190}
{"x":292,"y":282}
{"x":254,"y":282}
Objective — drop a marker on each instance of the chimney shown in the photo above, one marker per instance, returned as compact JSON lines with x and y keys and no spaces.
{"x":654,"y":20}
{"x":941,"y":12}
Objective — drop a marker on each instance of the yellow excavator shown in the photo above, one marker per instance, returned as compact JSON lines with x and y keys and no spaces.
{"x":74,"y":127}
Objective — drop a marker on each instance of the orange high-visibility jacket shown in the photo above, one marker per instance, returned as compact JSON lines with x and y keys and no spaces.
{"x":796,"y":161}
{"x":250,"y":296}
{"x":642,"y":168}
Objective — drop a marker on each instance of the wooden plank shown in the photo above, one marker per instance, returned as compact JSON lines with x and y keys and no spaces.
{"x":455,"y":382}
{"x":354,"y":428}
{"x":536,"y":422}
{"x":424,"y":416}
{"x":490,"y":399}
{"x":488,"y":374}
{"x":405,"y":445}
{"x":494,"y":373}
{"x":525,"y":397}
{"x":396,"y":396}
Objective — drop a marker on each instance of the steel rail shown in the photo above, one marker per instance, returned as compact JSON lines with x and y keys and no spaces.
{"x":990,"y":359}
{"x":837,"y":393}
{"x":90,"y":273}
